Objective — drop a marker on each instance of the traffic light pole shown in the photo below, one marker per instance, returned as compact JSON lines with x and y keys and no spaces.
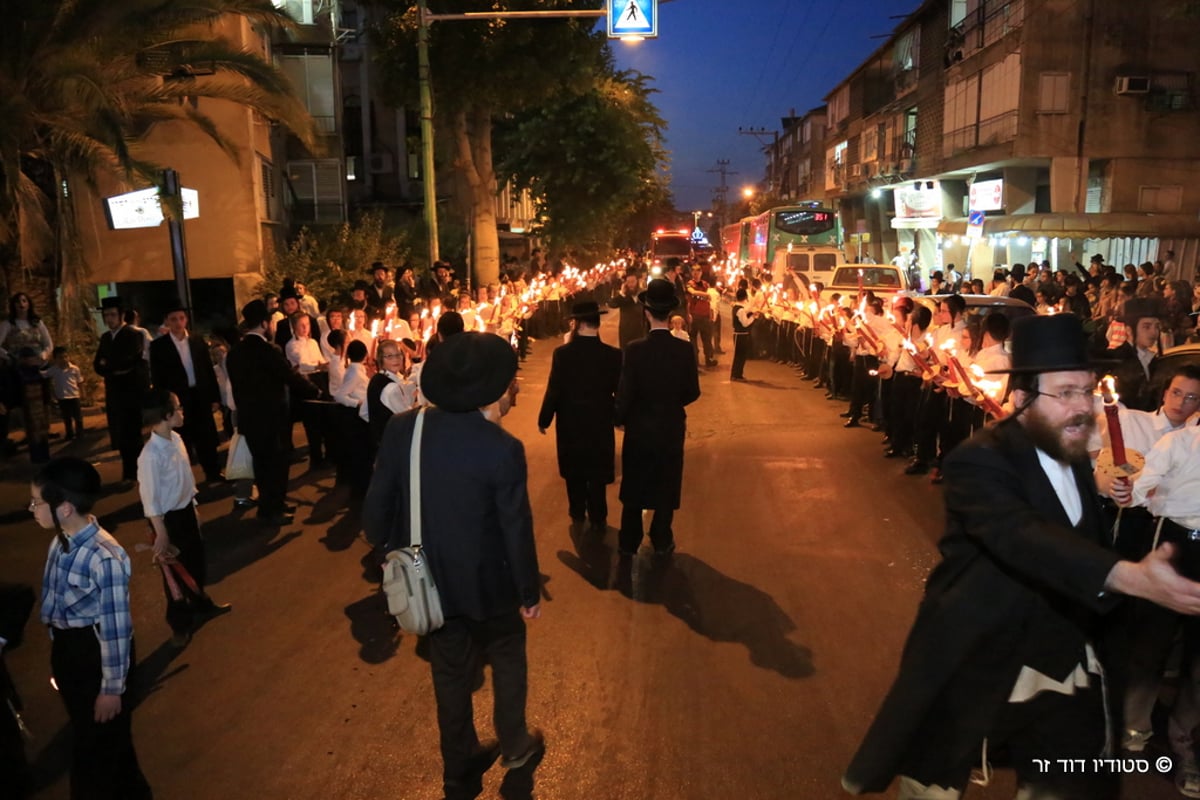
{"x":174,"y":199}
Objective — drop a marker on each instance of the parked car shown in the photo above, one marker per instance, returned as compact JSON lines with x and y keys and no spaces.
{"x":881,"y":279}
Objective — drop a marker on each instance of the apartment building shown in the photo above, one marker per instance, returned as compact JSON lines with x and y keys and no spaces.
{"x":799,"y":157}
{"x":249,"y":203}
{"x":1069,"y":126}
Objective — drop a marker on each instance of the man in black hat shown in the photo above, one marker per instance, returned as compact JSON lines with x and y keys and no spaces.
{"x":262,"y":382}
{"x":658,"y":379}
{"x":1019,"y":289}
{"x":289,"y":306}
{"x":477,"y":538}
{"x":1007,"y":649}
{"x":631,"y":325}
{"x":180,"y":363}
{"x":120,"y":361}
{"x":379,"y":293}
{"x":1136,"y":356}
{"x":584,"y":375}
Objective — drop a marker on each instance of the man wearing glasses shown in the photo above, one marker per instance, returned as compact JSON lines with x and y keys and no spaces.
{"x":1007,"y":651}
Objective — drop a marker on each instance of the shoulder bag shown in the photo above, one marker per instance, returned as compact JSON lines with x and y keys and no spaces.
{"x":412,"y":596}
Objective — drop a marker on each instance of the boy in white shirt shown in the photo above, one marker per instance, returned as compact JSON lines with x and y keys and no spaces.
{"x":66,"y":378}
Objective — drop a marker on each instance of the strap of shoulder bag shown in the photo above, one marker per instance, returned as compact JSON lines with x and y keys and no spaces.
{"x":414,"y":481}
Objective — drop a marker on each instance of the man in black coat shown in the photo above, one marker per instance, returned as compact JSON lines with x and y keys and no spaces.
{"x":120,"y":360}
{"x":1008,"y":645}
{"x":477,"y":538}
{"x":181,"y":363}
{"x":16,"y":603}
{"x":263,"y":382}
{"x":584,"y":375}
{"x":632,"y":323}
{"x":289,"y":306}
{"x":379,"y":293}
{"x":1143,"y":320}
{"x":659,"y":377}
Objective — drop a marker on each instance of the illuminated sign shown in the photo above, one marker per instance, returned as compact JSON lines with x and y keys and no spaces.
{"x":918,"y":205}
{"x":142,"y":209}
{"x":987,"y":195}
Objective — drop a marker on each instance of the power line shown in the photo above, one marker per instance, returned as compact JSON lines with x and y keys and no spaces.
{"x":767,"y":60}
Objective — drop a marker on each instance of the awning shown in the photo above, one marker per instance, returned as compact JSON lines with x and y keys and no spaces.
{"x":1083,"y":226}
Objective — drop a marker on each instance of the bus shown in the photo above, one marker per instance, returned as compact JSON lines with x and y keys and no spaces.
{"x":805,"y":238}
{"x":668,"y":248}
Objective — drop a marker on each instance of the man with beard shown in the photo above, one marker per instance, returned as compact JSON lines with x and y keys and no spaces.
{"x":1006,"y":652}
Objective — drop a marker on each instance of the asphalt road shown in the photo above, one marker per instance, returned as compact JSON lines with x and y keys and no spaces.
{"x":747,"y":668}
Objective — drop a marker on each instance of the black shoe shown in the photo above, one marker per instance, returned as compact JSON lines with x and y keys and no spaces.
{"x":851,"y":423}
{"x":664,"y":552}
{"x":276,"y":520}
{"x":892,"y":452}
{"x":847,"y":415}
{"x":213,"y":610}
{"x":484,"y":757}
{"x":244,"y":502}
{"x":181,"y":639}
{"x":533,"y":753}
{"x":916,"y":468}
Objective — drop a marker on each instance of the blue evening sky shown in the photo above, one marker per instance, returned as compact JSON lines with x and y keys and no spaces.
{"x":721,"y":65}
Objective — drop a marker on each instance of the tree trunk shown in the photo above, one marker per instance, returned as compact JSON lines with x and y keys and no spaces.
{"x":473,"y":142}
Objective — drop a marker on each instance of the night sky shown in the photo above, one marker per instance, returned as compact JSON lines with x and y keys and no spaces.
{"x":721,"y":65}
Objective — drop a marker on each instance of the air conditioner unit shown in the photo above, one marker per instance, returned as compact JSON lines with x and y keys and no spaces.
{"x":351,"y":52}
{"x":887,"y":168}
{"x":856,"y":170}
{"x":1132,"y":84}
{"x":904,"y":166}
{"x":379,"y":163}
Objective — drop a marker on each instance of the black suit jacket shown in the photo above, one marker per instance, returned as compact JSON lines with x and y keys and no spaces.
{"x":262,"y":379}
{"x":377,"y":301}
{"x":166,"y":369}
{"x":1136,"y":390}
{"x":581,"y":392}
{"x":477,"y":529}
{"x":658,"y":378}
{"x":119,"y":360}
{"x":1018,"y":585}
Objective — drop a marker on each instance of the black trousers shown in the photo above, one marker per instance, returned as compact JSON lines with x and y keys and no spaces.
{"x":587,"y":497}
{"x":125,"y":431}
{"x":72,"y":416}
{"x":104,"y":765}
{"x":741,"y":351}
{"x":184,"y":531}
{"x":906,"y":400}
{"x":271,"y":451}
{"x":455,"y":652}
{"x":661,"y":535}
{"x":199,"y":433}
{"x":702,"y":334}
{"x":930,"y":420}
{"x":816,"y":359}
{"x":14,"y":765}
{"x":863,"y":386}
{"x":842,"y":369}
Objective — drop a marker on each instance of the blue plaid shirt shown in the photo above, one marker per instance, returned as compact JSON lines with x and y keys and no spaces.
{"x":88,"y":586}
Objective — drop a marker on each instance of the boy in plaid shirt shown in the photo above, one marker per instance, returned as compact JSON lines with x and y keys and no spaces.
{"x":85,"y":604}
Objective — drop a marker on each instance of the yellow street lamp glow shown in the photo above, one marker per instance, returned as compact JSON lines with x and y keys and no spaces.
{"x":747,"y":192}
{"x":633,"y":39}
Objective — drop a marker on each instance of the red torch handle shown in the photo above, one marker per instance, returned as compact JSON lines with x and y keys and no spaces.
{"x":1115,"y":437}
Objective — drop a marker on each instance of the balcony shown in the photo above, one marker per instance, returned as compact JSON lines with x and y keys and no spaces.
{"x":990,"y":23}
{"x":993,"y":130}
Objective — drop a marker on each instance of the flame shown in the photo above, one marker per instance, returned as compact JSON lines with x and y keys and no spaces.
{"x":1110,"y":383}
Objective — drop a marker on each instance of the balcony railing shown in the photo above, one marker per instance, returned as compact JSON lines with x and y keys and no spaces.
{"x":993,"y":130}
{"x":989,"y":24}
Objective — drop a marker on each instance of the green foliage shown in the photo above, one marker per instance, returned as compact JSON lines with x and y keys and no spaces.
{"x":328,"y":261}
{"x":591,"y":159}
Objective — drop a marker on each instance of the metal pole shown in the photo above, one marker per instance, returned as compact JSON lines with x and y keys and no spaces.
{"x":170,"y":192}
{"x":427,"y":169}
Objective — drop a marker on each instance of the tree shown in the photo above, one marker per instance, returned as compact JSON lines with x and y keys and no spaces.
{"x":592,"y":159}
{"x":481,"y":71}
{"x":83,"y":81}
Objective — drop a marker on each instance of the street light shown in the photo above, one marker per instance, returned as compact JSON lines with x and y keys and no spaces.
{"x":748,"y":192}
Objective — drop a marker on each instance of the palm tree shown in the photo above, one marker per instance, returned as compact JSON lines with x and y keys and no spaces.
{"x":81,"y":84}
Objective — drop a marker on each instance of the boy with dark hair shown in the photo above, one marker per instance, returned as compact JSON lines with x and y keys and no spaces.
{"x":85,"y":603}
{"x":66,"y":379}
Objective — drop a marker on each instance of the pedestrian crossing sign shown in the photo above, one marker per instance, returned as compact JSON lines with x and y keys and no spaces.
{"x":632,"y":18}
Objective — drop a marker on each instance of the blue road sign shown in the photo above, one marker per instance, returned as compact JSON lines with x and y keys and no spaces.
{"x":632,"y":18}
{"x":975,"y":218}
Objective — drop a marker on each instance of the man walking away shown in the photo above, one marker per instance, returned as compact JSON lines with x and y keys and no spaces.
{"x":584,"y":376}
{"x":477,"y":539}
{"x":658,"y":379}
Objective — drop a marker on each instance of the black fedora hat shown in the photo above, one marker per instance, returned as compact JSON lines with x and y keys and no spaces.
{"x":586,"y":308}
{"x":255,"y":313}
{"x":468,"y":371}
{"x":176,"y":305}
{"x":1136,"y":308}
{"x":659,"y":296}
{"x":1050,"y":343}
{"x":112,"y":301}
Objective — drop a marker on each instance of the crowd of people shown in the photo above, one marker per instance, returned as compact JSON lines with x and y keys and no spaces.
{"x":924,"y":371}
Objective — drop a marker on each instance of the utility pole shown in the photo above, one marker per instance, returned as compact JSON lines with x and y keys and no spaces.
{"x":772,"y":147}
{"x":427,"y":170}
{"x":173,"y":195}
{"x":720,"y":192}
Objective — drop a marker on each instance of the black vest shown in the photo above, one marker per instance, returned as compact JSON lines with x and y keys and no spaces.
{"x":378,"y":414}
{"x":738,"y":327}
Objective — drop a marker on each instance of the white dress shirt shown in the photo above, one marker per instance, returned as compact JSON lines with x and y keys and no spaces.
{"x":1062,"y":478}
{"x":185,"y":355}
{"x":1172,"y":472}
{"x":353,"y":391}
{"x":165,"y":479}
{"x":400,"y":395}
{"x":305,"y":354}
{"x":337,"y":372}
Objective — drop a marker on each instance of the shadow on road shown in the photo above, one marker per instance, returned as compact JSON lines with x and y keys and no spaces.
{"x":373,"y":628}
{"x":341,"y":534}
{"x":708,"y":601}
{"x":152,"y":672}
{"x":235,"y":545}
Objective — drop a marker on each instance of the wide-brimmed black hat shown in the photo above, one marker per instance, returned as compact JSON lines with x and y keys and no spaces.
{"x":1053,"y":343}
{"x":111,"y":302}
{"x":586,"y":308}
{"x":175,"y":305}
{"x":468,"y":371}
{"x":659,"y":296}
{"x":1136,"y":308}
{"x":378,"y":265}
{"x":255,"y":313}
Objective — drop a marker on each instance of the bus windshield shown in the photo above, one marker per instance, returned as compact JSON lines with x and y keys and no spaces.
{"x":672,"y":246}
{"x":805,"y":222}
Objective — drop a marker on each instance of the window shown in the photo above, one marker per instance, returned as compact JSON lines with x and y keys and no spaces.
{"x":961,"y":114}
{"x":1054,"y":93}
{"x":317,"y":190}
{"x":268,"y":195}
{"x":839,"y":106}
{"x":312,"y":76}
{"x":1172,"y":92}
{"x":1160,"y":198}
{"x":905,"y":59}
{"x":870,"y":145}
